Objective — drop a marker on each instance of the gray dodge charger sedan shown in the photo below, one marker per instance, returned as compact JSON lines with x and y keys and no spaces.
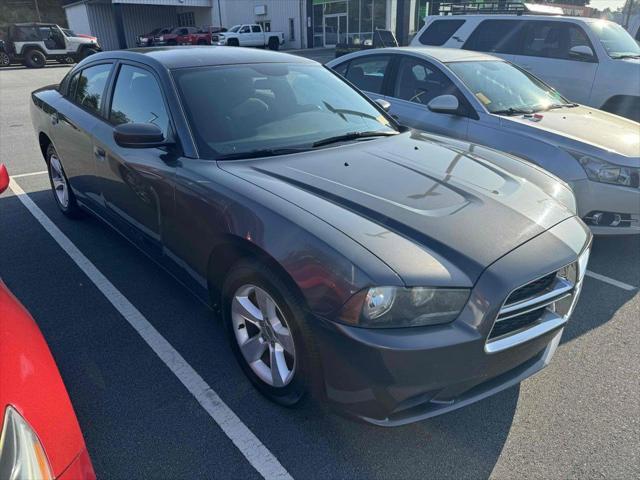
{"x":396,"y":274}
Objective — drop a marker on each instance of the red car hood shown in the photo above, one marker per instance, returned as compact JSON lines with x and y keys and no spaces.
{"x":31,"y":383}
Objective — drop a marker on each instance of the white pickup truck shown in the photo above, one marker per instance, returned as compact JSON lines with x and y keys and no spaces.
{"x":251,"y":35}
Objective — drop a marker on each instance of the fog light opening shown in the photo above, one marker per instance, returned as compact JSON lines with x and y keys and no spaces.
{"x":608,"y":219}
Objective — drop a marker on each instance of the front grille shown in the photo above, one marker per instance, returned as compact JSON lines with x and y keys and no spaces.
{"x":516,"y":323}
{"x":538,"y":306}
{"x":533,"y":289}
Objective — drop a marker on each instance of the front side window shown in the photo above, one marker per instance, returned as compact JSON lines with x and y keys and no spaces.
{"x":137,"y":99}
{"x":616,"y":40}
{"x":245,"y":29}
{"x":245,"y":108}
{"x":440,"y":31}
{"x":89,"y":92}
{"x":505,"y":89}
{"x":553,"y":39}
{"x":420,"y":82}
{"x":235,"y":28}
{"x":368,"y":73}
{"x":499,"y":36}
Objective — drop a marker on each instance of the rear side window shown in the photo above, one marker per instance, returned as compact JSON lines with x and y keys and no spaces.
{"x":89,"y":92}
{"x":499,"y":36}
{"x":553,"y":39}
{"x":26,"y":34}
{"x":440,"y":31}
{"x":368,"y":73}
{"x":137,"y":99}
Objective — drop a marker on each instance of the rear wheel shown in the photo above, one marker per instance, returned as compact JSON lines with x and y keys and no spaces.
{"x":267,"y":328}
{"x":64,"y":197}
{"x":5,"y":61}
{"x":35,"y":59}
{"x":274,"y":44}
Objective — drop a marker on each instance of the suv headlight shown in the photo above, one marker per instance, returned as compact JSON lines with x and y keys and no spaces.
{"x":392,"y":307}
{"x":22,"y":456}
{"x":601,"y":171}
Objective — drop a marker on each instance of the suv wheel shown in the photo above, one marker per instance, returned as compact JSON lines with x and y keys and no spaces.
{"x":35,"y":59}
{"x":233,"y":42}
{"x":274,"y":44}
{"x":5,"y":61}
{"x":86,"y":52}
{"x":267,"y":327}
{"x":65,"y":199}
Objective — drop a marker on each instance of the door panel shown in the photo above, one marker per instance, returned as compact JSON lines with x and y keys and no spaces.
{"x":546,"y":54}
{"x":74,"y":124}
{"x":136,"y":184}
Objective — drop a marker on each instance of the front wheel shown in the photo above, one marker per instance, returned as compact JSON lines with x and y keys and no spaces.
{"x":267,"y":327}
{"x":64,"y":197}
{"x":86,"y":52}
{"x":233,"y":43}
{"x":5,"y":61}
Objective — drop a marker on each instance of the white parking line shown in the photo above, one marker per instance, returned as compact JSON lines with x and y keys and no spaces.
{"x":611,"y":281}
{"x":20,"y":175}
{"x":249,"y":445}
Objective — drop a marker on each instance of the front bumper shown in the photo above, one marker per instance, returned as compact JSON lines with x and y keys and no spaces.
{"x":601,"y":197}
{"x":392,"y":377}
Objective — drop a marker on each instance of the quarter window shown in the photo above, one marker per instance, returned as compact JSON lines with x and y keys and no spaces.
{"x":368,"y":73}
{"x":553,"y":39}
{"x":89,"y":92}
{"x":440,"y":31}
{"x":137,"y":99}
{"x":499,"y":36}
{"x":420,"y":82}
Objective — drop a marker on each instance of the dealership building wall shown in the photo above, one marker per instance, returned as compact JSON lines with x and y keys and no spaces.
{"x":305,"y":23}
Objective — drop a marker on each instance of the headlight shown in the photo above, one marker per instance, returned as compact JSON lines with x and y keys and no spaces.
{"x":601,"y":171}
{"x":392,"y":307}
{"x":21,"y":454}
{"x":161,"y":38}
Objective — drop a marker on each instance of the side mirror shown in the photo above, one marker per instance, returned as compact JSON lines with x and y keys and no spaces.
{"x":383,"y":104}
{"x":582,"y":52}
{"x":4,"y":178}
{"x":444,"y":104}
{"x":139,"y":135}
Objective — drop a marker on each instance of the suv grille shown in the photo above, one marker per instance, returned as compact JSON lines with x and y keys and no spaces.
{"x":538,"y":307}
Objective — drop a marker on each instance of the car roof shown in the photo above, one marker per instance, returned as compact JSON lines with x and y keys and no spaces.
{"x":480,"y":16}
{"x":445,"y":55}
{"x":198,"y":56}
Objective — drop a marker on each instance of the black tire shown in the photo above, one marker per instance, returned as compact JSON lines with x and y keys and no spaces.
{"x":172,"y":43}
{"x":68,"y":60}
{"x":233,"y":42}
{"x":71,"y":210}
{"x":34,"y":58}
{"x":273,"y":44}
{"x":307,"y":373}
{"x":5,"y":60}
{"x":203,"y":42}
{"x":87,"y":52}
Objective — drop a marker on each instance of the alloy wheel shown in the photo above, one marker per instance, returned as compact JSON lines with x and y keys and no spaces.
{"x":263,"y":335}
{"x":60,"y":187}
{"x":4,"y":59}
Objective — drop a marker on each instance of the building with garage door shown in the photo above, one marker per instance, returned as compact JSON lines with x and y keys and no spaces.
{"x":305,"y":23}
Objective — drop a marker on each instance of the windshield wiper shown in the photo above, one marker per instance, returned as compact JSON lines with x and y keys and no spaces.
{"x":266,"y":152}
{"x":625,"y":55}
{"x":351,"y":136}
{"x":513,"y":111}
{"x":561,"y":105}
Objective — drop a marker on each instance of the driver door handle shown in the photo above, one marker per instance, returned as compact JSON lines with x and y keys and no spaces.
{"x":99,"y":153}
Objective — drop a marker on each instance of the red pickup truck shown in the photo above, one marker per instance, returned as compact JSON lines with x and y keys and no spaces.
{"x":189,"y":36}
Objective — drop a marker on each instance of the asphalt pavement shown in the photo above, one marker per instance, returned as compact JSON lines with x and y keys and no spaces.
{"x":578,"y":418}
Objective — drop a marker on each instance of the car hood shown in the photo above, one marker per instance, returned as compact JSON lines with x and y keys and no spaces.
{"x":464,"y":204}
{"x":590,"y":126}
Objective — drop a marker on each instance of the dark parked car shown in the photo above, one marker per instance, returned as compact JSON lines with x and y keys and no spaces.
{"x":397,"y":274}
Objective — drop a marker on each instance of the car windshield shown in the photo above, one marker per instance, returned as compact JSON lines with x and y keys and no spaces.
{"x":615,"y":39}
{"x":243,"y":109}
{"x":69,"y":32}
{"x":235,"y":28}
{"x":503,"y":88}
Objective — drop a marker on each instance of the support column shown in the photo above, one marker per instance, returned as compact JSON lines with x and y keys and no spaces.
{"x":403,"y":17}
{"x":117,"y":17}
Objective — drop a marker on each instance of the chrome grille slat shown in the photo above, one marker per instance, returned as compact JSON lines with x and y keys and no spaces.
{"x":560,"y":289}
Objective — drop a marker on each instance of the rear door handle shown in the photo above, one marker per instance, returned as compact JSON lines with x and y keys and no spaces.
{"x":99,"y":153}
{"x":55,"y":118}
